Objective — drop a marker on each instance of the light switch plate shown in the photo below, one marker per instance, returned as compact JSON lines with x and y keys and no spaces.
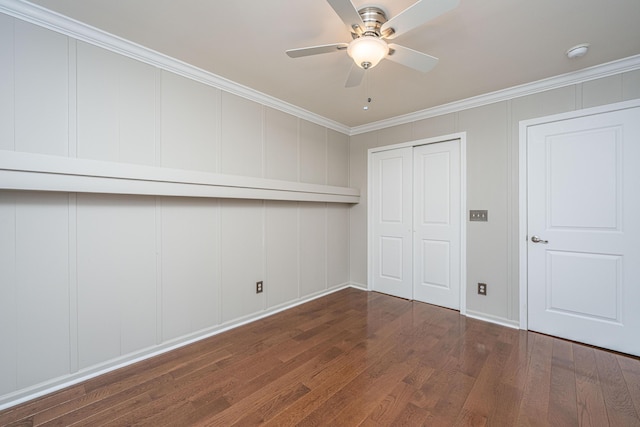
{"x":479,"y":215}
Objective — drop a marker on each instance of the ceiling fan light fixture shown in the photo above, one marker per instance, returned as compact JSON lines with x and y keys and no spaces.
{"x":367,"y":51}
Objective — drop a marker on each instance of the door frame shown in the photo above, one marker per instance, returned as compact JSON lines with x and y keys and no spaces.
{"x":523,"y":186}
{"x":462,"y":137}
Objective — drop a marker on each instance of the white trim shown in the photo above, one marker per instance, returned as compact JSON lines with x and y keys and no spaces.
{"x":523,"y":185}
{"x":357,"y":285}
{"x":463,"y":223}
{"x":40,"y":390}
{"x":492,"y":319}
{"x":598,"y":71}
{"x":444,"y":138}
{"x":369,"y":285}
{"x":523,"y":224}
{"x":29,"y":171}
{"x":462,"y":137}
{"x":64,"y":25}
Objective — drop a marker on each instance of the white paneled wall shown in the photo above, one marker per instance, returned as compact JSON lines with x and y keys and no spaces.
{"x":7,"y":88}
{"x":337,"y":244}
{"x":116,"y":107}
{"x":190,"y":250}
{"x":35,"y":288}
{"x":116,"y":265}
{"x":313,"y":153}
{"x":241,"y":136}
{"x":281,"y":249}
{"x":41,"y":90}
{"x":338,"y":158}
{"x":89,"y":281}
{"x":313,"y":248}
{"x":281,"y":145}
{"x":242,"y":260}
{"x":189,"y":133}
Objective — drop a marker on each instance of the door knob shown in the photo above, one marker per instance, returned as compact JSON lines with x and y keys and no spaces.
{"x":536,"y":239}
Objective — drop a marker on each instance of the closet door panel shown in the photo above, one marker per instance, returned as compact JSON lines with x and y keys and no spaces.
{"x":436,"y":224}
{"x":391,"y":202}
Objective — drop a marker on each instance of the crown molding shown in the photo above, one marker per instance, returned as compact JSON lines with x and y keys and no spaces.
{"x":598,"y":71}
{"x":45,"y":18}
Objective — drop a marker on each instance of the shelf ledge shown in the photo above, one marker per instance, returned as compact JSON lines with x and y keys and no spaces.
{"x":40,"y":172}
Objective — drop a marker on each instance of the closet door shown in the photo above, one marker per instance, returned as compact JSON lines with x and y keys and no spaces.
{"x":391,"y":205}
{"x":436,"y":224}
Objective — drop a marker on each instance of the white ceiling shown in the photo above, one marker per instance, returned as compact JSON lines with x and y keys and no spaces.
{"x":483,"y":46}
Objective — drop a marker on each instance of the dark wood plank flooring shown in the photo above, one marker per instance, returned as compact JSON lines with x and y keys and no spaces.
{"x":358,"y":358}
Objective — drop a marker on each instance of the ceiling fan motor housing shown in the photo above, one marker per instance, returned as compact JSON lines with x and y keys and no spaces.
{"x":373,"y":18}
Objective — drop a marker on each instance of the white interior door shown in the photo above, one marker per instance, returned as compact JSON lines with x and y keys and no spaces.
{"x":584,"y":229}
{"x":437,"y":211}
{"x":391,"y":220}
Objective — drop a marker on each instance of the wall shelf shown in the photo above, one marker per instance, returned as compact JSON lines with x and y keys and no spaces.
{"x":39,"y":172}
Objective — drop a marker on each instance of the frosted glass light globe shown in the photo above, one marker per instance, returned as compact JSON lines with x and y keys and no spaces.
{"x":367,"y":51}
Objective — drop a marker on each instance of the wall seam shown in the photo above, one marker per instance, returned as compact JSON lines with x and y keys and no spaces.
{"x":13,"y":86}
{"x":159,"y":283}
{"x":509,"y":202}
{"x":217,"y":150}
{"x":218,"y":245}
{"x":264,"y":278}
{"x":158,"y":207}
{"x":299,"y":258}
{"x":298,"y":150}
{"x":15,"y":293}
{"x":119,"y":70}
{"x":72,"y":120}
{"x":326,"y":156}
{"x":158,"y":117}
{"x":350,"y":208}
{"x":74,"y":339}
{"x":326,"y":246}
{"x":72,"y":151}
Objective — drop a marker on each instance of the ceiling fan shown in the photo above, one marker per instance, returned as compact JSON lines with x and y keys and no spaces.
{"x":370,"y":28}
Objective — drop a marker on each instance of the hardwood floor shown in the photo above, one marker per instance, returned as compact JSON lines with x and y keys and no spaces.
{"x":358,"y":358}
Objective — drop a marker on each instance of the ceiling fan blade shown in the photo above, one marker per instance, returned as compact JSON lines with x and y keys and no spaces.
{"x":411,"y":58}
{"x":315,"y":50}
{"x":413,"y":16}
{"x":349,"y":15}
{"x":355,"y":76}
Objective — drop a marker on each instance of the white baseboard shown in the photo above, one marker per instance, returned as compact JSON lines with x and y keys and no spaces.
{"x":514,"y":324}
{"x":39,"y":390}
{"x":51,"y":386}
{"x":359,"y":286}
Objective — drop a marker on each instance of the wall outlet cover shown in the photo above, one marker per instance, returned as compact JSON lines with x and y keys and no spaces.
{"x":479,"y":215}
{"x":482,"y":289}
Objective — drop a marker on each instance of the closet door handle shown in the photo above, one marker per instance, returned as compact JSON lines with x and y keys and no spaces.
{"x":536,"y":239}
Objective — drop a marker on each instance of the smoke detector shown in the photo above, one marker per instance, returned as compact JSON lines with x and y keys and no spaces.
{"x":578,"y":51}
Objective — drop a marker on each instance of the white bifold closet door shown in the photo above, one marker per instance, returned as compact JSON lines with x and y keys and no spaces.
{"x":416,"y":214}
{"x":436,"y":224}
{"x":391,"y":216}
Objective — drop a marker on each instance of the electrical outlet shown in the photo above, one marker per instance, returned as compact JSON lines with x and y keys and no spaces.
{"x":482,"y":289}
{"x":259,"y":287}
